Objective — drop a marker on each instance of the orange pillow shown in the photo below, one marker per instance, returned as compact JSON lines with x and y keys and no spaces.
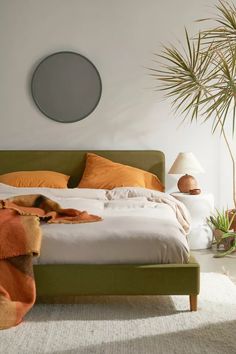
{"x":105,"y":174}
{"x":48,"y":179}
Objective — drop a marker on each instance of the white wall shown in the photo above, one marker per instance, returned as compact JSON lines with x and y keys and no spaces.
{"x":119,"y":37}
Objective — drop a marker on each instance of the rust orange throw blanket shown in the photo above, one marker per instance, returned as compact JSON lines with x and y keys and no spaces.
{"x":20,"y":240}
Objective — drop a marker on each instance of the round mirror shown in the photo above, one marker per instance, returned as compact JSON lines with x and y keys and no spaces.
{"x":66,"y":87}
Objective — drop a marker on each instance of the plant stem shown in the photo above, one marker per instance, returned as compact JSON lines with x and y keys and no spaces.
{"x":232,"y":158}
{"x":234,"y":167}
{"x":230,"y":151}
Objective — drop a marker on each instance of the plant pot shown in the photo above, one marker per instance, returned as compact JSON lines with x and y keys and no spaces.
{"x":231,"y":214}
{"x":217,"y":235}
{"x":225,"y":242}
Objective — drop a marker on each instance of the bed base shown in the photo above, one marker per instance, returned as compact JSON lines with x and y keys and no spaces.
{"x":60,"y":281}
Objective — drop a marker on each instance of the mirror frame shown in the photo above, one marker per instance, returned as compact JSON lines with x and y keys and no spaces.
{"x":41,"y":109}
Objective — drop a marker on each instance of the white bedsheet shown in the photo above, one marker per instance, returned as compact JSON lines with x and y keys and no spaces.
{"x":138,"y":226}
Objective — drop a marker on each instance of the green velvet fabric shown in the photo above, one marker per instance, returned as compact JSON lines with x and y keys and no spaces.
{"x":72,"y":162}
{"x":130,"y":279}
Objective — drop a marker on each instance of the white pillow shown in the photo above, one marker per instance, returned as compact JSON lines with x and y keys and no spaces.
{"x":7,"y":191}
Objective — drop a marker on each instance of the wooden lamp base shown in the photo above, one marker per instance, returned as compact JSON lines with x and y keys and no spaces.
{"x":186,"y":183}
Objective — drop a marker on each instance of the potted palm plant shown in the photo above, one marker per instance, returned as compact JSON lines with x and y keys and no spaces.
{"x":200,"y":77}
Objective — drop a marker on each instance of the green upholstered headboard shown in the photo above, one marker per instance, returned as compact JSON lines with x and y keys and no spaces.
{"x":72,"y":162}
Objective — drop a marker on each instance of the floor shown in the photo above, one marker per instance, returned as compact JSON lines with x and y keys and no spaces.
{"x":225,"y":265}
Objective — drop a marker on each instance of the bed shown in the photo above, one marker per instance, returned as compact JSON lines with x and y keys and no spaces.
{"x":58,"y":281}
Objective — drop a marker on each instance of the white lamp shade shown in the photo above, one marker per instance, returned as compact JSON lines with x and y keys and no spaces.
{"x":186,"y":163}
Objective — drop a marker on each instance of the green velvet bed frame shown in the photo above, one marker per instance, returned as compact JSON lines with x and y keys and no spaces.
{"x":55,"y":281}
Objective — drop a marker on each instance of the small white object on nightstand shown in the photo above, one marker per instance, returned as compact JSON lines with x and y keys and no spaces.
{"x":200,"y":207}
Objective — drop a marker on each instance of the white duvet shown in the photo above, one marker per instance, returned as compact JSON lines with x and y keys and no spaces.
{"x":138,"y":226}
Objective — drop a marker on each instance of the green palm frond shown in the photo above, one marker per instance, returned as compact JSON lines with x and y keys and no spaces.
{"x":227,"y":11}
{"x":226,"y":26}
{"x":200,"y":78}
{"x":221,"y":96}
{"x":183,"y":75}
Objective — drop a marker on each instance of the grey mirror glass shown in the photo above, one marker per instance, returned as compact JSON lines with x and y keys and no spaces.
{"x":66,"y":87}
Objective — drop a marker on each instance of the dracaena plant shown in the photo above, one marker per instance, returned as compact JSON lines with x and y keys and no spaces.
{"x":200,"y":77}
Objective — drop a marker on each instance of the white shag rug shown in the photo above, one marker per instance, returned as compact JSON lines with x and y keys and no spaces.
{"x":132,"y":325}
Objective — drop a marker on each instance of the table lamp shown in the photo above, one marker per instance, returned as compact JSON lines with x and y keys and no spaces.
{"x":187,"y":164}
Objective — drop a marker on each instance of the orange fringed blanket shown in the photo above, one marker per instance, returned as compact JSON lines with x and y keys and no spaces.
{"x":20,"y":240}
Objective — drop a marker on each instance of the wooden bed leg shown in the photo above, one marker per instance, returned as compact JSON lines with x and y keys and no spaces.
{"x":193,"y":302}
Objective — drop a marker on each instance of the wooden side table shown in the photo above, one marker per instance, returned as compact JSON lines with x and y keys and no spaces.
{"x":200,"y":207}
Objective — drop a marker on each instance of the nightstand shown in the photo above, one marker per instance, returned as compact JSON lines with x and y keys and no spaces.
{"x":200,"y":207}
